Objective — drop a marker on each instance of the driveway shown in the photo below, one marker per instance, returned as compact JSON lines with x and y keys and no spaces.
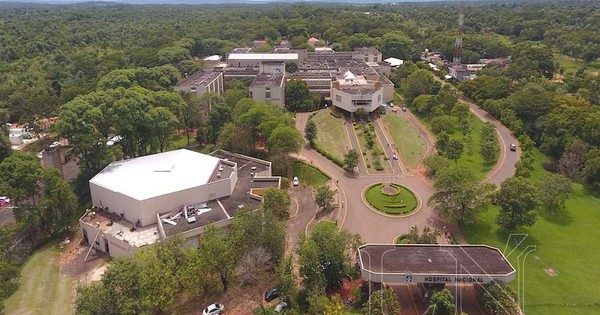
{"x":303,"y":210}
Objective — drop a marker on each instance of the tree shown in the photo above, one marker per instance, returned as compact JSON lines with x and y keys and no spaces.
{"x":324,"y":197}
{"x":459,"y":197}
{"x":396,"y":44}
{"x":122,"y":281}
{"x":591,"y":171}
{"x":436,"y":163}
{"x":442,"y":302}
{"x":286,"y":280}
{"x":310,"y":132}
{"x":441,"y":143}
{"x":361,"y":114}
{"x":277,"y":201}
{"x":297,"y":96}
{"x":351,"y":160}
{"x":57,"y":209}
{"x":518,"y":199}
{"x":324,"y":256}
{"x":499,"y":298}
{"x":572,"y":161}
{"x":191,"y":114}
{"x":454,"y":149}
{"x":20,"y":173}
{"x":555,"y":190}
{"x":284,"y":140}
{"x":219,"y":116}
{"x":215,"y":244}
{"x":5,"y":147}
{"x":418,"y":83}
{"x":96,"y":299}
{"x":291,"y":67}
{"x":489,"y":143}
{"x":427,"y":237}
{"x":382,"y":302}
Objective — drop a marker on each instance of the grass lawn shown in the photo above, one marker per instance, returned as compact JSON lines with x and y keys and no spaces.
{"x":571,"y":65}
{"x":411,"y":145}
{"x":471,"y":158}
{"x":331,"y":136}
{"x":376,"y":163}
{"x":391,"y":203}
{"x":42,"y":289}
{"x":565,"y":242}
{"x":179,"y":142}
{"x":310,"y":175}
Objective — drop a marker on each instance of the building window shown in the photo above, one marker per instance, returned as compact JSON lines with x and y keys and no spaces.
{"x":338,"y":98}
{"x":268,"y":95}
{"x":361,"y":103}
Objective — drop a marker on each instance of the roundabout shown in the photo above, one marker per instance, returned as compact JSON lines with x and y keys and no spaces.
{"x":390,"y":199}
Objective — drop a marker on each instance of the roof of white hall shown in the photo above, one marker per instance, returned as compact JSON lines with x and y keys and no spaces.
{"x":394,"y":62}
{"x":158,"y":174}
{"x":265,"y":56}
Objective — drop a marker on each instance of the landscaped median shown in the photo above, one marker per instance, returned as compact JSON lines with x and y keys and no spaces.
{"x":372,"y":151}
{"x":391,"y":198}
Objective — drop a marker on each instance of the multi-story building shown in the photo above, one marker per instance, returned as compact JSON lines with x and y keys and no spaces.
{"x":268,"y":88}
{"x":202,"y":82}
{"x":350,"y":93}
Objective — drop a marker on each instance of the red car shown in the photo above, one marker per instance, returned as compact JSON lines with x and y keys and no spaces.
{"x":4,"y":201}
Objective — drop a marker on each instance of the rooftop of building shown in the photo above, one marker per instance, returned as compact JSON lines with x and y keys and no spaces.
{"x":367,"y":50}
{"x":114,"y":224}
{"x":263,"y":56}
{"x":268,"y":80}
{"x":241,"y":50}
{"x":204,"y":213}
{"x":153,"y":175}
{"x":434,"y":259}
{"x":200,"y":78}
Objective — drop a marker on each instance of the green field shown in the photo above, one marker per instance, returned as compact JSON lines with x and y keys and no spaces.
{"x":471,"y":158}
{"x":331,"y":136}
{"x":310,"y":175}
{"x":391,"y":203}
{"x":411,"y":145}
{"x":371,"y":160}
{"x":565,"y":242}
{"x":571,"y":65}
{"x":42,"y":289}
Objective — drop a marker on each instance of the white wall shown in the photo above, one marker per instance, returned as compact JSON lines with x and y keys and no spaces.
{"x":117,"y":203}
{"x":346,"y":100}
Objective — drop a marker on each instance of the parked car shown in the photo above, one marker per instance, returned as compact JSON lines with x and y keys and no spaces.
{"x":296,"y":181}
{"x":213,"y":309}
{"x":513,"y":147}
{"x":272,"y":294}
{"x":391,"y":104}
{"x":281,"y":307}
{"x":403,"y":108}
{"x":4,"y":201}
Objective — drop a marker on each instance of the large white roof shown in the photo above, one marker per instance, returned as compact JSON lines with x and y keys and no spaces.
{"x":158,"y":174}
{"x":264,"y":57}
{"x":394,"y":62}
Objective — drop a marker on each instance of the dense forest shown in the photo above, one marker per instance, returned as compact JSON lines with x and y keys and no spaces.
{"x":109,"y":70}
{"x":51,"y":54}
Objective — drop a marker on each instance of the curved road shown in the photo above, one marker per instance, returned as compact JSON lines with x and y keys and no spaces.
{"x":375,"y":227}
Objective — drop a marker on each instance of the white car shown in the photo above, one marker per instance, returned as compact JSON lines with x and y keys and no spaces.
{"x":296,"y":181}
{"x":281,"y":307}
{"x":213,"y":309}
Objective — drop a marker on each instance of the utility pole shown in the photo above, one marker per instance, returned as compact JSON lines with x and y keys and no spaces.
{"x":459,"y":37}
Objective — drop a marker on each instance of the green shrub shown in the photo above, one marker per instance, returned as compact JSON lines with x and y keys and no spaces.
{"x":397,"y":206}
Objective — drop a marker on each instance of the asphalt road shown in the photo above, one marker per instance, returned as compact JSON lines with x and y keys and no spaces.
{"x":507,"y":160}
{"x":375,"y":227}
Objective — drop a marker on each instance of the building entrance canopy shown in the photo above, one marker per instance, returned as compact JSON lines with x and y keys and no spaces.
{"x":393,"y":263}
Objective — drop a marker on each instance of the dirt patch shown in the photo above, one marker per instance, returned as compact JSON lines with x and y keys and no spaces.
{"x":551,"y":272}
{"x":345,"y":291}
{"x":71,"y":261}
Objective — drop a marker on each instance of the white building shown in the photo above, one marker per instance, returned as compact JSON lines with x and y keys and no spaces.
{"x":351,"y":92}
{"x":202,"y":82}
{"x":268,"y":88}
{"x":139,"y":201}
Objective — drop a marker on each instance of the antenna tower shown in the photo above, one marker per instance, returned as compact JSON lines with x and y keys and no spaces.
{"x":458,"y":44}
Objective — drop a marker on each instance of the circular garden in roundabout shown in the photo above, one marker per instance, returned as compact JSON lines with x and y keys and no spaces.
{"x":391,"y":198}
